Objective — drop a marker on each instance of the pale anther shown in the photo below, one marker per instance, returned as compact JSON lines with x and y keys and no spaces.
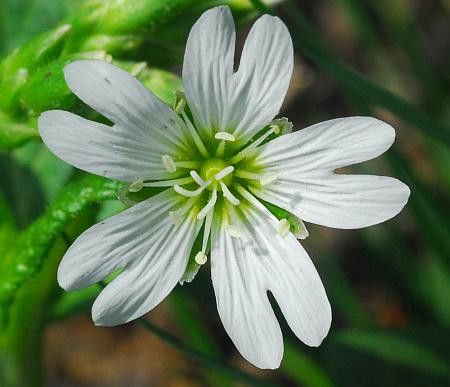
{"x":302,"y":232}
{"x":233,"y":231}
{"x":169,"y":164}
{"x":136,"y":186}
{"x":283,"y":227}
{"x":175,"y":218}
{"x":200,"y":258}
{"x":275,"y":128}
{"x":181,"y":102}
{"x":284,"y":125}
{"x":267,"y":178}
{"x":224,"y":172}
{"x":224,"y":136}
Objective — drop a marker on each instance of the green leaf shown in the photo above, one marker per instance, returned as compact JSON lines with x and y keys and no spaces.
{"x":303,"y":369}
{"x":34,"y":243}
{"x":306,"y":38}
{"x":394,"y":349}
{"x":7,"y":228}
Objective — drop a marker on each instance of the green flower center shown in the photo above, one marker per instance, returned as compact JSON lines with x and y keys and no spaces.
{"x":210,"y":168}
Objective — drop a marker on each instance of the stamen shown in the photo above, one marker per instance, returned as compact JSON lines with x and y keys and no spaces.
{"x":283,"y":227}
{"x":210,"y":205}
{"x":224,"y":172}
{"x":197,"y":140}
{"x":136,"y":186}
{"x":220,"y":149}
{"x":268,"y":178}
{"x":284,"y":125}
{"x":180,"y":102}
{"x":188,"y":164}
{"x":175,"y":218}
{"x":200,"y":258}
{"x":276,"y":129}
{"x":207,"y":230}
{"x":226,"y":192}
{"x":224,"y":136}
{"x":180,"y":106}
{"x":198,"y":179}
{"x":244,"y":152}
{"x":247,"y":175}
{"x":169,"y":183}
{"x":169,"y":164}
{"x":302,"y":232}
{"x":187,"y":193}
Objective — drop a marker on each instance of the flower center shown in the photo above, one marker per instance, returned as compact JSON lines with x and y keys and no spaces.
{"x":211,"y":170}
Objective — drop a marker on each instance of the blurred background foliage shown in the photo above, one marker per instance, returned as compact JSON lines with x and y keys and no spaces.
{"x":389,"y":285}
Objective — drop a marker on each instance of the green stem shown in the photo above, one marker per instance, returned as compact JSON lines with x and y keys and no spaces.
{"x":21,"y":342}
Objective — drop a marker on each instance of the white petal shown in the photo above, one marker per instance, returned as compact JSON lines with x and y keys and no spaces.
{"x":242,"y":102}
{"x":326,"y":146}
{"x":124,"y":100}
{"x":208,"y":68}
{"x":243,"y":269}
{"x":113,"y":243}
{"x":147,"y":279}
{"x":263,"y":78}
{"x":101,"y":149}
{"x":340,"y":201}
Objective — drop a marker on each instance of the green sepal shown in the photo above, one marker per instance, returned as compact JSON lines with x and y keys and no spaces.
{"x":193,"y":267}
{"x":47,"y":88}
{"x":296,"y":224}
{"x":15,"y":133}
{"x":38,"y":51}
{"x":131,"y":198}
{"x":160,"y":82}
{"x":19,"y":66}
{"x":113,"y":44}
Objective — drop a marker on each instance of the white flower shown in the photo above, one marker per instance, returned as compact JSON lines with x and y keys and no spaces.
{"x":220,"y":162}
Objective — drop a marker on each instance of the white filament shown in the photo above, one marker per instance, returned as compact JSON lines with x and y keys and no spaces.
{"x":197,"y":140}
{"x":185,"y":192}
{"x":226,"y":192}
{"x":267,"y":178}
{"x":198,"y":179}
{"x":207,"y":230}
{"x":168,"y":183}
{"x":244,"y":152}
{"x":210,"y":205}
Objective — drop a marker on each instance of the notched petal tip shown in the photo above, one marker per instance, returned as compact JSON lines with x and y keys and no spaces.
{"x":317,"y":337}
